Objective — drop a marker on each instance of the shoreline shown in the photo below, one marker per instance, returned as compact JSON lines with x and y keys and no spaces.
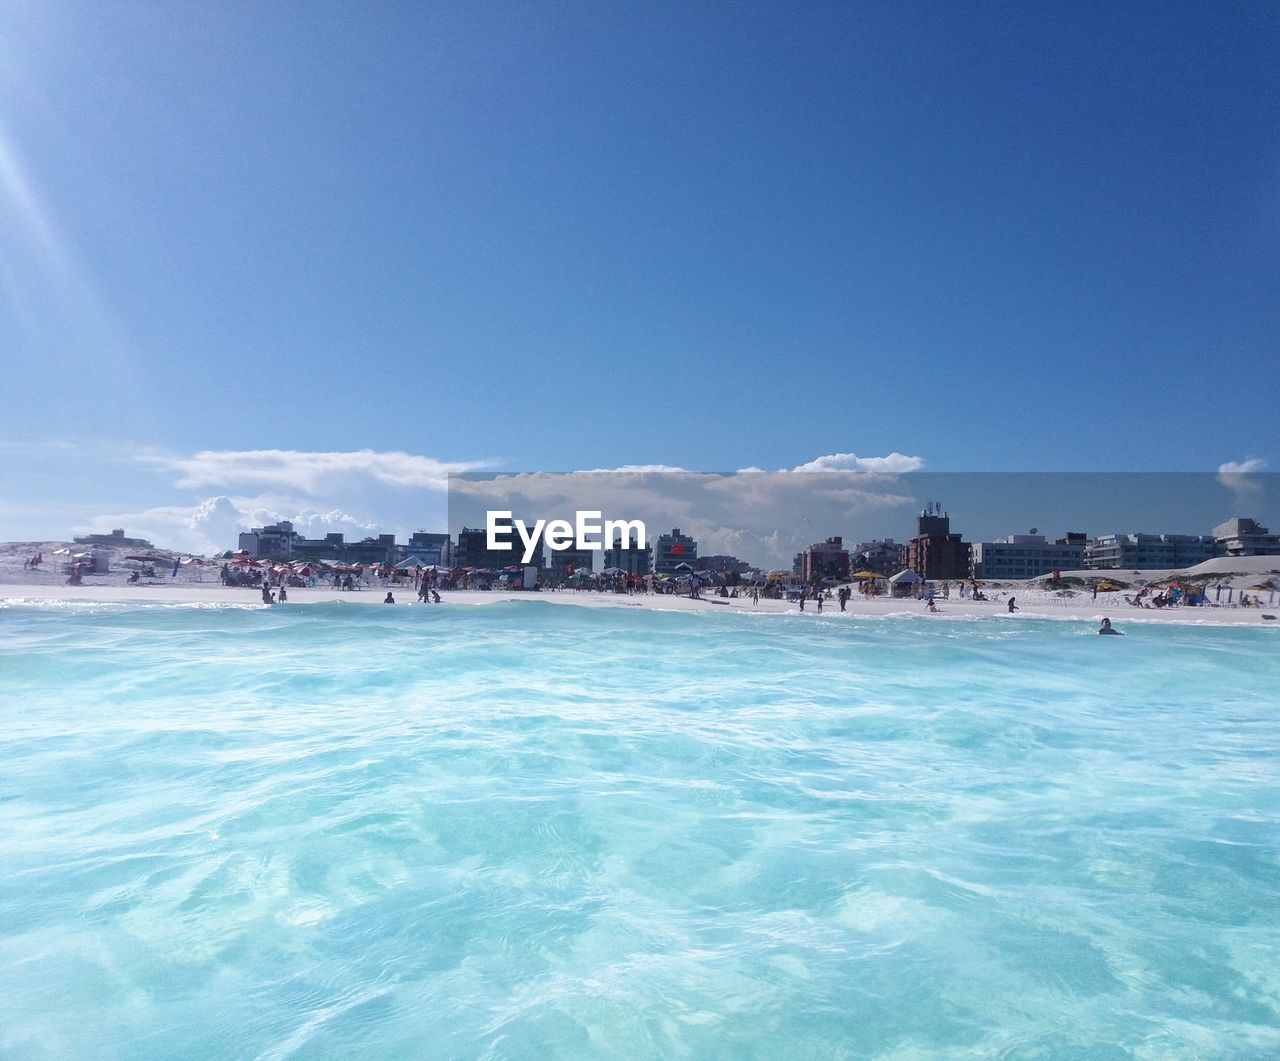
{"x":210,"y":594}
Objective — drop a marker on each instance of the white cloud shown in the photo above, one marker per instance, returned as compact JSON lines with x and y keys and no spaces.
{"x":893,"y":464}
{"x":760,"y":516}
{"x":636,"y":469}
{"x":214,"y":524}
{"x":311,"y":472}
{"x":1234,"y":475}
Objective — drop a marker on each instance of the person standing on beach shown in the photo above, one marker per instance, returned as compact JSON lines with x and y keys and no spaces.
{"x":1013,"y":607}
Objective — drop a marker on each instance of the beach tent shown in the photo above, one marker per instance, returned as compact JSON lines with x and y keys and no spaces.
{"x":903,"y":584}
{"x":412,"y":561}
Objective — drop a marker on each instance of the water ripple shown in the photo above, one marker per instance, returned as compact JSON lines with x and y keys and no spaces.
{"x":531,"y":831}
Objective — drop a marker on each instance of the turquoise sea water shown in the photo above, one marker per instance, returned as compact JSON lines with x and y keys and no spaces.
{"x":534,"y":831}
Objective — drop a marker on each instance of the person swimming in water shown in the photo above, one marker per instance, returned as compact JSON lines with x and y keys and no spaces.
{"x":1107,"y":628}
{"x":390,"y":599}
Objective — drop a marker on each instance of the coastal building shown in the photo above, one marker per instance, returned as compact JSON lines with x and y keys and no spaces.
{"x":276,"y":541}
{"x":1026,"y":556}
{"x":629,"y":558}
{"x":720,"y":564}
{"x":565,"y":563}
{"x":332,"y":546}
{"x":435,"y":550}
{"x":379,"y":550}
{"x":671,"y":550}
{"x":884,"y":556}
{"x":116,"y":537}
{"x":934,"y":552}
{"x":472,"y":549}
{"x":824,"y":560}
{"x":1241,"y":536}
{"x":1137,"y":551}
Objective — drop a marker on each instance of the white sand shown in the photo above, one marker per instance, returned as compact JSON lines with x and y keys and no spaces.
{"x":1034,"y":599}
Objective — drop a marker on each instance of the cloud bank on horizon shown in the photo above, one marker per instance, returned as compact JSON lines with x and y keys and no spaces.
{"x":364,"y":492}
{"x":200,"y":502}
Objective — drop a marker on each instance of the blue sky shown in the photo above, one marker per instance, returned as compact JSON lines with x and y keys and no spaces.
{"x":426,"y":237}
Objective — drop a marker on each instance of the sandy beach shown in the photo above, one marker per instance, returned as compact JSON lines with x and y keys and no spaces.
{"x":195,"y":584}
{"x":1028,"y":606}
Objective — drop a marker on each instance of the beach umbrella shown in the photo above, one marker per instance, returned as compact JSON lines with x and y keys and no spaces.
{"x":861,"y":575}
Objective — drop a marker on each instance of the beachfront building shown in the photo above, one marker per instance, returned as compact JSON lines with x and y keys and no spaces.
{"x":116,"y":537}
{"x":1137,"y":551}
{"x":472,"y":549}
{"x":332,"y":546}
{"x":936,"y":553}
{"x":720,"y":564}
{"x":1025,"y":556}
{"x":1241,"y":536}
{"x":824,"y":560}
{"x":884,"y":556}
{"x":434,"y":550}
{"x":565,"y":563}
{"x":671,"y":550}
{"x":379,"y":550}
{"x":274,"y":542}
{"x":629,"y":558}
